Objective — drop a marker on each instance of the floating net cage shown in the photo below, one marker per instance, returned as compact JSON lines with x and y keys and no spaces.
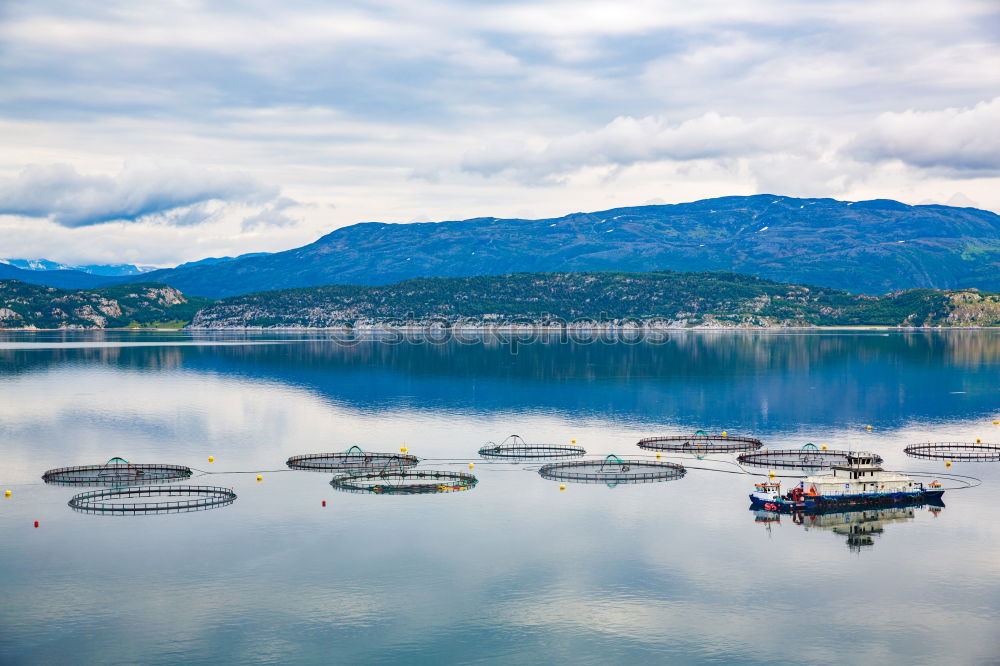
{"x":515,"y":448}
{"x":116,"y":472}
{"x":405,"y":482}
{"x":353,"y":459}
{"x":167,"y":499}
{"x":809,"y":457}
{"x":700,"y":443}
{"x":612,"y":470}
{"x":955,"y":451}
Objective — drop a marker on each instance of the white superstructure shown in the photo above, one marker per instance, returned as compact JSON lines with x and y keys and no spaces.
{"x":861,"y":474}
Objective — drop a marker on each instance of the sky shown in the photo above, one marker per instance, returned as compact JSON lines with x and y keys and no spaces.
{"x":156,"y":133}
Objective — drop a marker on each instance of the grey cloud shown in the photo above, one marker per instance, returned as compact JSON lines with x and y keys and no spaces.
{"x":272,"y":216}
{"x":71,"y":199}
{"x":957,"y":140}
{"x":628,"y":140}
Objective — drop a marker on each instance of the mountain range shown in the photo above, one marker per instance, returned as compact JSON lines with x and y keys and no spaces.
{"x":872,"y":247}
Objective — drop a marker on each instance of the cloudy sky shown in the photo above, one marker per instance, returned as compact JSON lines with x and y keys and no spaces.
{"x":168,"y":131}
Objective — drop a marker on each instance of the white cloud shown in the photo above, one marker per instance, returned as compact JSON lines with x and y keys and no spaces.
{"x":60,"y":193}
{"x":960,"y":140}
{"x":627,"y":140}
{"x":498,"y":107}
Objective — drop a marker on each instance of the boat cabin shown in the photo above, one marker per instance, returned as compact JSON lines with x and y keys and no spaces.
{"x":768,"y":488}
{"x":859,"y":474}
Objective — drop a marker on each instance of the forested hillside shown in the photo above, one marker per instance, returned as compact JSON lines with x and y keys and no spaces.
{"x":681,"y":299}
{"x":142,"y":305}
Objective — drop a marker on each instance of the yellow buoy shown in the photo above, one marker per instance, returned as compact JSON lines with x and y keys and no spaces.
{"x":657,"y":456}
{"x":260,"y":478}
{"x":472,"y":465}
{"x":770,"y":473}
{"x":562,"y":486}
{"x":573,"y":441}
{"x":211,"y":459}
{"x":978,"y":441}
{"x":6,"y":493}
{"x":947,"y":463}
{"x":402,"y":449}
{"x":995,"y":422}
{"x":724,"y":433}
{"x":868,"y":427}
{"x":824,"y":447}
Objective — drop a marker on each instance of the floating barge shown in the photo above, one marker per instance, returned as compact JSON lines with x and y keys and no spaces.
{"x":860,"y":482}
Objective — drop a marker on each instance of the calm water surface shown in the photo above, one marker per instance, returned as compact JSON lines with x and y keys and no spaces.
{"x":514,"y":571}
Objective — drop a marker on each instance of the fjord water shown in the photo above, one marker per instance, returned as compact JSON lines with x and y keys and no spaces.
{"x":515,"y":570}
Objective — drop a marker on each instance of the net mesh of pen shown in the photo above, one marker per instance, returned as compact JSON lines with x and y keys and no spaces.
{"x":116,"y":472}
{"x":406,"y":482}
{"x":700,"y":443}
{"x":613,"y":470}
{"x":515,"y":448}
{"x":352,"y":460}
{"x":152,"y":499}
{"x":796,"y":458}
{"x":955,"y":451}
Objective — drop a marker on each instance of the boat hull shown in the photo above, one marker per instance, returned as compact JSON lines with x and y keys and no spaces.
{"x":819,"y":503}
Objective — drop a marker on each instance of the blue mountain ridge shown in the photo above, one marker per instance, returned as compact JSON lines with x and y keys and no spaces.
{"x":873,"y":246}
{"x":865,"y":247}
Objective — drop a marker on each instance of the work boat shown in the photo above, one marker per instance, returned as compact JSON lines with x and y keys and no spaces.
{"x":859,"y":482}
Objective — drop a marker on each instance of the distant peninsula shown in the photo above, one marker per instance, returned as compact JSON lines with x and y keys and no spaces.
{"x":32,"y":306}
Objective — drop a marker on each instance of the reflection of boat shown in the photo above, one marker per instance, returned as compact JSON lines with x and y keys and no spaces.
{"x":859,"y":526}
{"x":860,"y":482}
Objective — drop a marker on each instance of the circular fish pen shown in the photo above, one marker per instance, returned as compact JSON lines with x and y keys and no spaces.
{"x":805,"y":458}
{"x":406,"y":482}
{"x":514,"y":448}
{"x":172,"y":499}
{"x":353,"y":459}
{"x":116,"y":472}
{"x":612,"y":470}
{"x":700,"y":443}
{"x":963,"y":451}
